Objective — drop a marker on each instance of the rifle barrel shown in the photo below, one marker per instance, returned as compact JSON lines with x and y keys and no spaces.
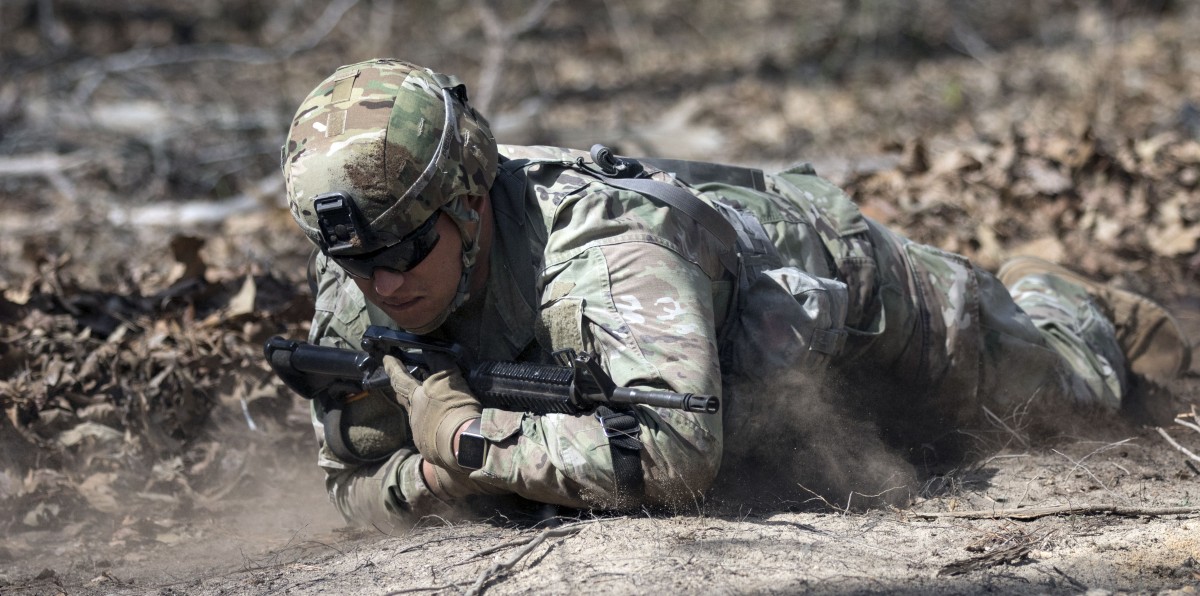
{"x":689,"y":402}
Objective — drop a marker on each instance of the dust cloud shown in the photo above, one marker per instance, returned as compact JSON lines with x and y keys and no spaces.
{"x":790,"y":444}
{"x":797,"y":434}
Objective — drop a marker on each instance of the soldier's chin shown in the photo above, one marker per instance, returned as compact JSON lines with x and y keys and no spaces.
{"x":423,"y":319}
{"x":413,"y":315}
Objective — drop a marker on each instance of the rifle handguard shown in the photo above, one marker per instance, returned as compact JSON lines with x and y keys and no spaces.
{"x":525,"y":387}
{"x":545,"y":389}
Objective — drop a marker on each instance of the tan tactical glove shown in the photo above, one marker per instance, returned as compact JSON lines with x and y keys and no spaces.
{"x":436,"y":408}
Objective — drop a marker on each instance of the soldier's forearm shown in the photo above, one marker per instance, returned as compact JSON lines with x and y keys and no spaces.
{"x":567,"y":460}
{"x":429,"y":471}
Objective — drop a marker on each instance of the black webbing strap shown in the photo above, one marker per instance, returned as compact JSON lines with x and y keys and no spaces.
{"x":690,"y":204}
{"x":623,"y":433}
{"x":701,"y":172}
{"x":627,"y":173}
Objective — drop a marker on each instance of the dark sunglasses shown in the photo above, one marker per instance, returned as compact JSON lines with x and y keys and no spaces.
{"x":399,"y":257}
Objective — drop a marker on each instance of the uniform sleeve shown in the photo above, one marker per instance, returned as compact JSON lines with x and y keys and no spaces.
{"x":339,"y":309}
{"x":648,"y":312}
{"x":382,"y":493}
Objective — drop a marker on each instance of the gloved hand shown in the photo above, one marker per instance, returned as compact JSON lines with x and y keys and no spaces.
{"x":436,"y":408}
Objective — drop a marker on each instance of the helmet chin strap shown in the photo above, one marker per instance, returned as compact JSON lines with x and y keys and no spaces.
{"x":461,"y":215}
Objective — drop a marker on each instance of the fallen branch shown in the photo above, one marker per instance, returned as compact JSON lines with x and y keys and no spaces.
{"x":416,"y":589}
{"x":1176,"y":445}
{"x":1039,"y":512}
{"x":498,"y":566}
{"x":1013,"y":552}
{"x":1195,"y":418}
{"x":92,"y":72}
{"x":39,"y":164}
{"x":193,"y":213}
{"x":499,"y":547}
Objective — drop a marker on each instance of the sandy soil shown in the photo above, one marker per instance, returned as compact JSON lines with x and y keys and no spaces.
{"x":283,"y":542}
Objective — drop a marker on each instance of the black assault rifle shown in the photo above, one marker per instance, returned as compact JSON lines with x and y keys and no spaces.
{"x":577,"y":384}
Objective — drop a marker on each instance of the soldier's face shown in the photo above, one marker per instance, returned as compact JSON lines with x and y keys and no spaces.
{"x":416,"y":297}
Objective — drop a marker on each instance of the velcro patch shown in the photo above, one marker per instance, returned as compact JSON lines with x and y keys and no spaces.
{"x":342,"y":89}
{"x":560,"y":325}
{"x":335,"y":125}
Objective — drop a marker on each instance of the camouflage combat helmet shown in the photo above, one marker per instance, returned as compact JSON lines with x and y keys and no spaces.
{"x":401,"y":143}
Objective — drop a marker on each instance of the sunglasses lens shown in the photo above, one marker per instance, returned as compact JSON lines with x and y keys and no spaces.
{"x":360,"y":268}
{"x":399,"y":257}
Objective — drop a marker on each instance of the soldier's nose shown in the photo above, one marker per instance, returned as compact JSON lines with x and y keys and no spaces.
{"x":387,"y":281}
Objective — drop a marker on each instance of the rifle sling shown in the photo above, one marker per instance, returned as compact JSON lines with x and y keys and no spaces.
{"x":703,"y":213}
{"x":702,"y":172}
{"x":622,"y":430}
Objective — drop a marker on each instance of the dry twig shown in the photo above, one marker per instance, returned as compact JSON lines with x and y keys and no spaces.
{"x":1192,"y":425}
{"x":200,"y":212}
{"x":1078,"y":464}
{"x":1039,"y":512}
{"x":39,"y":164}
{"x":531,"y":543}
{"x":1018,"y":437}
{"x":1013,"y":549}
{"x":93,"y":72}
{"x":500,"y":36}
{"x":48,"y":165}
{"x":1175,"y":444}
{"x":817,"y":497}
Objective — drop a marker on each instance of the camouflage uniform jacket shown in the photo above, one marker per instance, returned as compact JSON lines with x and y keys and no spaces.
{"x":580,"y":264}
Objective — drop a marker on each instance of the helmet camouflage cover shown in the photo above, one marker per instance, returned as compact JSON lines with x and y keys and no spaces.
{"x":399,"y":139}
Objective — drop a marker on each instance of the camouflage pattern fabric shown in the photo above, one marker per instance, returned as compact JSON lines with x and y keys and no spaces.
{"x":588,"y":266}
{"x":360,"y":132}
{"x":1075,"y":327}
{"x":402,"y":142}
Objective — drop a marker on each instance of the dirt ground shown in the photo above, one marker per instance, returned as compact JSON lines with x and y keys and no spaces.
{"x":145,"y":448}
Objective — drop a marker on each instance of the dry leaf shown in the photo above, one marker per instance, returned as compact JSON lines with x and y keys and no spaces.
{"x":97,"y":489}
{"x":1174,"y":240}
{"x":243,"y":302}
{"x":97,"y":435}
{"x":1046,"y":178}
{"x":189,"y":264}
